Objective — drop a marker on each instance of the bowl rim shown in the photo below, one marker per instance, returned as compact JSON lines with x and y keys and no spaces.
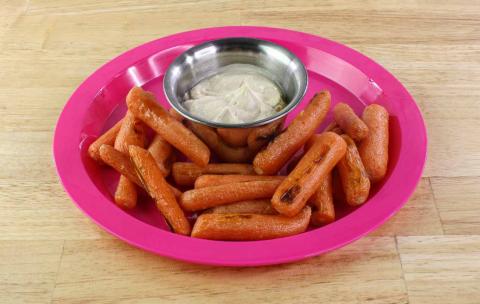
{"x":83,"y":192}
{"x":280,"y":114}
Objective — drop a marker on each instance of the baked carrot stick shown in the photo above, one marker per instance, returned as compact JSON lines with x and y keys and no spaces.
{"x":203,"y":198}
{"x":285,"y":145}
{"x":260,"y":206}
{"x":123,"y":165}
{"x":234,"y":137}
{"x":353,"y":175}
{"x":292,"y":195}
{"x":107,"y":138}
{"x":144,"y":106}
{"x":175,"y":114}
{"x":249,"y":227}
{"x":185,"y":174}
{"x":349,"y":122}
{"x":163,"y":154}
{"x":322,"y":201}
{"x":132,"y":132}
{"x":159,"y":189}
{"x":374,"y":148}
{"x":221,"y":149}
{"x":210,"y":180}
{"x":260,"y":136}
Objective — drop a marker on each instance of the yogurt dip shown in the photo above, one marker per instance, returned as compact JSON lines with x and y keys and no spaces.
{"x":239,"y":93}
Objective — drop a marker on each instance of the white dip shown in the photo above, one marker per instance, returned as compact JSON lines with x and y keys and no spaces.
{"x":239,"y":93}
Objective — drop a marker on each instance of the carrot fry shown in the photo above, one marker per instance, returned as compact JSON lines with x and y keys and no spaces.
{"x":353,"y":175}
{"x":185,"y":174}
{"x":260,"y":136}
{"x":144,"y":106}
{"x":159,"y":189}
{"x":374,"y":148}
{"x":349,"y":122}
{"x":261,"y":206}
{"x":203,"y":198}
{"x":122,"y":164}
{"x":249,"y":227}
{"x":215,"y":180}
{"x":107,"y":138}
{"x":322,"y":200}
{"x":132,"y":132}
{"x":234,"y":137}
{"x":221,"y":149}
{"x":163,"y":154}
{"x":285,"y":145}
{"x":175,"y":115}
{"x":292,"y":195}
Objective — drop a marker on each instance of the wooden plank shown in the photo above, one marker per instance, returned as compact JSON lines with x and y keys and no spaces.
{"x":457,"y":200}
{"x":112,"y":272}
{"x":28,"y":270}
{"x":418,"y":217}
{"x":441,"y":269}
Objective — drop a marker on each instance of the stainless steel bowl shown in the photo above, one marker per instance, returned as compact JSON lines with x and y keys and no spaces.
{"x":204,"y":60}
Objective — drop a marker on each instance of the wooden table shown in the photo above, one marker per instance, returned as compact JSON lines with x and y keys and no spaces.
{"x":51,"y":253}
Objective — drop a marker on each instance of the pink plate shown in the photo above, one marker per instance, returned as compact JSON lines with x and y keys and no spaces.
{"x":350,"y":76}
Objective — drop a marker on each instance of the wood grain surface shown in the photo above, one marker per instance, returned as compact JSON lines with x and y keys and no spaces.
{"x":51,"y":253}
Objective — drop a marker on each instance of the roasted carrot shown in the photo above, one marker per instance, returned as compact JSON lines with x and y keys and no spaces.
{"x":175,"y":114}
{"x":249,"y":227}
{"x":292,"y":195}
{"x":260,"y":206}
{"x":210,"y":180}
{"x":185,"y":174}
{"x":270,"y":160}
{"x":163,"y":154}
{"x":144,"y":106}
{"x":132,"y":132}
{"x":260,"y":136}
{"x":203,"y":198}
{"x":349,"y":122}
{"x":107,"y":138}
{"x":353,"y":175}
{"x":374,"y":148}
{"x":122,"y":164}
{"x":322,"y":201}
{"x":234,"y":137}
{"x":221,"y":149}
{"x":159,"y":189}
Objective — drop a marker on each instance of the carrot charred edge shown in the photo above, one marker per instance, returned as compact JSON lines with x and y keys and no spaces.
{"x":144,"y":106}
{"x":349,"y":122}
{"x":185,"y":174}
{"x":123,"y":165}
{"x":260,"y":206}
{"x":293,"y":193}
{"x":260,"y":136}
{"x":353,"y":175}
{"x":221,"y":149}
{"x":374,"y":148}
{"x":107,"y":138}
{"x":132,"y":132}
{"x":249,"y":227}
{"x":203,"y":198}
{"x":234,"y":137}
{"x":163,"y":154}
{"x":322,"y":201}
{"x":210,"y":180}
{"x":270,"y":160}
{"x":159,"y":189}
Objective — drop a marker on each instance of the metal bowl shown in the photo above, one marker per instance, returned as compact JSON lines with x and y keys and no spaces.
{"x":205,"y":60}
